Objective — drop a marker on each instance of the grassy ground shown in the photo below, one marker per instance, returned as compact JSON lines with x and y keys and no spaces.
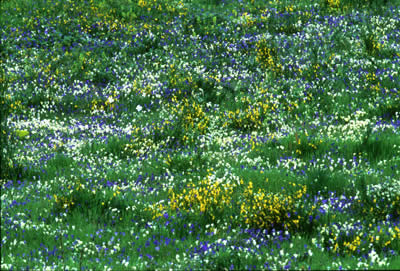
{"x":204,"y":134}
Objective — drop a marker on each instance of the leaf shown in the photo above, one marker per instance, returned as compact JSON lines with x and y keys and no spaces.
{"x":82,"y":57}
{"x":21,"y":133}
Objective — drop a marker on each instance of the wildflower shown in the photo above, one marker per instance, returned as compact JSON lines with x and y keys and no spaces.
{"x":110,"y":100}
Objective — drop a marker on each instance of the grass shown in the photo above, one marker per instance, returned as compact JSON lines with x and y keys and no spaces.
{"x":200,"y":135}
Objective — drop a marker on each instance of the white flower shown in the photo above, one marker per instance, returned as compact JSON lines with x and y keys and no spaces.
{"x":139,"y":108}
{"x":110,"y":100}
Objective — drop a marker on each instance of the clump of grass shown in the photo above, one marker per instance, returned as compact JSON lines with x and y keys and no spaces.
{"x":343,"y":6}
{"x":320,"y":182}
{"x":91,"y":204}
{"x":5,"y":133}
{"x":116,"y":146}
{"x":372,"y":47}
{"x":374,"y":147}
{"x":59,"y":161}
{"x":270,"y":152}
{"x":180,"y":163}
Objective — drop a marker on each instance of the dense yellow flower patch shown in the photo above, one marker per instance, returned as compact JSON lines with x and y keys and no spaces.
{"x":266,"y":210}
{"x":213,"y":198}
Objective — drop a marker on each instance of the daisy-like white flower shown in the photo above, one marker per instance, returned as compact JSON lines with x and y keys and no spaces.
{"x":139,"y":108}
{"x":110,"y":100}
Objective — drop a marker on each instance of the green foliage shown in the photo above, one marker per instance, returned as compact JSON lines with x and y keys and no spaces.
{"x":221,"y":142}
{"x":378,"y":201}
{"x":116,"y":146}
{"x":6,"y":137}
{"x":318,"y":182}
{"x":91,"y":205}
{"x":180,"y":163}
{"x":59,"y":161}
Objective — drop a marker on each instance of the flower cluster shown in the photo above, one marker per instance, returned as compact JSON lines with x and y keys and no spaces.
{"x":267,"y":56}
{"x":264,"y":210}
{"x":357,"y":239}
{"x":192,"y":115}
{"x":237,"y":135}
{"x":210,"y":197}
{"x":252,"y":117}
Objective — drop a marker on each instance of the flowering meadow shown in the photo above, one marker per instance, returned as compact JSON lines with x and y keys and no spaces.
{"x":200,"y":134}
